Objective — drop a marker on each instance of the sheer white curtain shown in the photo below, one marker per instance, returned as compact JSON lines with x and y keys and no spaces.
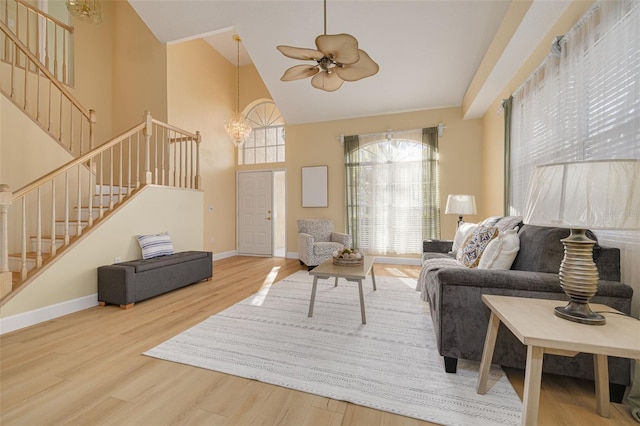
{"x":583,"y":105}
{"x":390,"y":209}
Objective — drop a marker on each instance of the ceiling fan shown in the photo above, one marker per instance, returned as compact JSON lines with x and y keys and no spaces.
{"x":337,"y":58}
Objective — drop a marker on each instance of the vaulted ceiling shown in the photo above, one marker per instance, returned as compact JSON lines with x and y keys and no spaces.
{"x":432,"y":54}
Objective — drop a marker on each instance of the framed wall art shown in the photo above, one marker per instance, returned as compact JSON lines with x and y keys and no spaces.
{"x":315,"y":180}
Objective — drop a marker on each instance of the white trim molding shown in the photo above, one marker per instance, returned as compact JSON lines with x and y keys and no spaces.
{"x":26,"y":319}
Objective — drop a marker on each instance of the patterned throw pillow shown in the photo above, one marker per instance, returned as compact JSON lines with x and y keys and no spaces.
{"x":155,"y":245}
{"x":470,"y":252}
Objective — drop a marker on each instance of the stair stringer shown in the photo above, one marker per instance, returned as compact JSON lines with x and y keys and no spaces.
{"x":73,"y":274}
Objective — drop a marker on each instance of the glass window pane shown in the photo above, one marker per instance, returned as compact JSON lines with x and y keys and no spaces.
{"x":280,"y":139}
{"x":249,"y":156}
{"x":249,"y":143}
{"x":260,"y":156}
{"x":271,"y":154}
{"x":260,"y":137}
{"x":281,"y":153}
{"x":271,"y":136}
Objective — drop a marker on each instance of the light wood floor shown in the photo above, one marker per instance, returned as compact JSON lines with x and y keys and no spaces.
{"x":87,"y":369}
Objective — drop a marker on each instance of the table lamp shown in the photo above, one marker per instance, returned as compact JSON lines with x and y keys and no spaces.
{"x":460,"y":205}
{"x":583,"y":195}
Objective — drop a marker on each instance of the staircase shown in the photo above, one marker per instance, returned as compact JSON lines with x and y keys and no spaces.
{"x":39,"y":221}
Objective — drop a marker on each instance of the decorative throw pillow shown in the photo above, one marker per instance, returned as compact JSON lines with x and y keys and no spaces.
{"x":463,"y":231}
{"x":155,"y":245}
{"x":501,"y":251}
{"x":471,"y":251}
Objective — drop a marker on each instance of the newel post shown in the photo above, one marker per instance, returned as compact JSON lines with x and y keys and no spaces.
{"x":5,"y":274}
{"x":198,"y":177}
{"x":148,"y":131}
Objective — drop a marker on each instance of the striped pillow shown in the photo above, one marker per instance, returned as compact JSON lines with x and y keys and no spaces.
{"x":155,"y":245}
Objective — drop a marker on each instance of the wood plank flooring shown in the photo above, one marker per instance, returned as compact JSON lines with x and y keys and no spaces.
{"x":87,"y":368}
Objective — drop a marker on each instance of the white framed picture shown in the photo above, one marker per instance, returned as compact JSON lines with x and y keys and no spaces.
{"x":315,"y":180}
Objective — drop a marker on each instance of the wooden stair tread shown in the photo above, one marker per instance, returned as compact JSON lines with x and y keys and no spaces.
{"x":31,"y":255}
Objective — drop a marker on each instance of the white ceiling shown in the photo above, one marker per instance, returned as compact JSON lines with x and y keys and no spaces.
{"x":428,"y":50}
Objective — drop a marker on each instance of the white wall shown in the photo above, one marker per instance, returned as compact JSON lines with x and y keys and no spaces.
{"x":74,"y":275}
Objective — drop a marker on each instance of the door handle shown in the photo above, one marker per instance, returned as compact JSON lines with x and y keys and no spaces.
{"x":268,"y":218}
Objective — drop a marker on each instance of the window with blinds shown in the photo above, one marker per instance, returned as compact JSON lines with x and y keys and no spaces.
{"x":584,"y":104}
{"x":392,"y":194}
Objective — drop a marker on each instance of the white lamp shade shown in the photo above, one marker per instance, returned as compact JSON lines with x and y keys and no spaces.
{"x":460,"y":204}
{"x":601,"y":194}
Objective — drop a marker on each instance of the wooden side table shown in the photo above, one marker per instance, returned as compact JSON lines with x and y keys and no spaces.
{"x":533,"y":322}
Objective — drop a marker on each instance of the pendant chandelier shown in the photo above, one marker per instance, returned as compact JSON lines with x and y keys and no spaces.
{"x":85,"y":10}
{"x":238,"y":128}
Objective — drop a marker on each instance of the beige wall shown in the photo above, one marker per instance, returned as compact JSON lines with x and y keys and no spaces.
{"x":317,"y":144}
{"x":74,"y":275}
{"x":201,"y":96}
{"x":93,"y":56}
{"x":25,"y":149}
{"x":493,"y":122}
{"x":139,"y":70}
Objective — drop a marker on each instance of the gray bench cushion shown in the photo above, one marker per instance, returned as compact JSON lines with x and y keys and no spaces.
{"x":142,"y":265}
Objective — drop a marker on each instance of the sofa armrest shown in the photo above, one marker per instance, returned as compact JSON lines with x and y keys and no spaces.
{"x":437,"y":246}
{"x":116,"y":284}
{"x":339,"y":237}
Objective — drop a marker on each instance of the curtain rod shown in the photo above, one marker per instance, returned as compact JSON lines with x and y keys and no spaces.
{"x":390,"y":132}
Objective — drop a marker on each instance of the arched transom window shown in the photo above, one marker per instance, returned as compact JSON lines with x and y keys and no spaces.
{"x":266,"y":142}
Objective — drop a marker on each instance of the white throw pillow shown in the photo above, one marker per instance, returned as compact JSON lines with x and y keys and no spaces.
{"x":155,"y":245}
{"x":464,"y":230}
{"x":501,"y":251}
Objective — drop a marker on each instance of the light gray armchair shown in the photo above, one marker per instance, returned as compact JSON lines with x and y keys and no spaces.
{"x":317,"y":240}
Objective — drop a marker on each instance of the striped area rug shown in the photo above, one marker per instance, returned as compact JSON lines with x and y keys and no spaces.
{"x":390,"y":364}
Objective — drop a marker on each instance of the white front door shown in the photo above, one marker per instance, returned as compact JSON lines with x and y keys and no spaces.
{"x":255,"y":224}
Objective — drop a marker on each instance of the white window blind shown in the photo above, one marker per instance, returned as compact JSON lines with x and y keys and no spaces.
{"x":584,"y":105}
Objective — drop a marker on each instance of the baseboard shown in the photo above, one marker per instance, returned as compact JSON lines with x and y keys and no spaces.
{"x":292,"y":255}
{"x":224,"y":255}
{"x":26,"y":319}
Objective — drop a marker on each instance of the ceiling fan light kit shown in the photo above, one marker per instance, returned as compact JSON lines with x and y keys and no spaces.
{"x":338,"y":59}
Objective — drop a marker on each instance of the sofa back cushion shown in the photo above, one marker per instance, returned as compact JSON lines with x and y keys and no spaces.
{"x":540,"y":249}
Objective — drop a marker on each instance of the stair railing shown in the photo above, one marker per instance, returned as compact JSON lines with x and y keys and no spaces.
{"x":93,"y":184}
{"x":49,"y":39}
{"x":34,"y":89}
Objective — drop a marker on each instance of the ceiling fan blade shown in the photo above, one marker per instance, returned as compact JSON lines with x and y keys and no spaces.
{"x":300,"y":53}
{"x":298,"y":72}
{"x":343,"y":47}
{"x":365,"y":67}
{"x":327,"y":82}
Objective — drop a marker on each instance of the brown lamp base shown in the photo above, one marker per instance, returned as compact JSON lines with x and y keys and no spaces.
{"x":579,"y":312}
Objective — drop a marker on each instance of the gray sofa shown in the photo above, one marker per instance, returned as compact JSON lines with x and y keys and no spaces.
{"x":126,"y":283}
{"x":460,"y":317}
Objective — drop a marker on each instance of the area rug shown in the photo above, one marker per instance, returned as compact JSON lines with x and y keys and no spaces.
{"x":390,"y":364}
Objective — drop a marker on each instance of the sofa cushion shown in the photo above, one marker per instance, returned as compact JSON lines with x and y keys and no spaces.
{"x":541,"y":248}
{"x":142,"y":265}
{"x":326,"y":248}
{"x":462,"y":233}
{"x":501,"y":251}
{"x":470,"y":252}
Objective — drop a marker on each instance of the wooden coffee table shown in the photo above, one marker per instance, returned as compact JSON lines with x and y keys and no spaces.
{"x":349,"y":273}
{"x":533,"y":322}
